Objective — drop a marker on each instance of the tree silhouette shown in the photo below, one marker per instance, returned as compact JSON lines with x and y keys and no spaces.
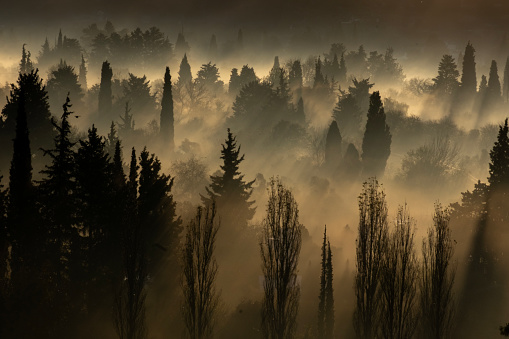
{"x":295,"y":76}
{"x":82,"y":77}
{"x":25,"y":65}
{"x":376,"y":144}
{"x":319,"y":80}
{"x":468,"y":75}
{"x":63,"y":81}
{"x":446,"y":82}
{"x":185,"y":76}
{"x":333,"y":146}
{"x":167,"y":121}
{"x":505,"y":88}
{"x":105,"y":94}
{"x":326,"y":298}
{"x":280,"y":248}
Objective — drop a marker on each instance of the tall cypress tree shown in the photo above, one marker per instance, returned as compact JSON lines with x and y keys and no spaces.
{"x":468,"y":75}
{"x":105,"y":93}
{"x":376,"y":143}
{"x":185,"y":75}
{"x":323,"y":288}
{"x":493,"y":90}
{"x":329,"y":296}
{"x":167,"y":129}
{"x":342,"y":70}
{"x":229,"y":189}
{"x":275,"y":73}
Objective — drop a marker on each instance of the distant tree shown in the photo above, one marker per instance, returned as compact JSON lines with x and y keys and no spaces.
{"x":62,"y":82}
{"x":282,"y":90}
{"x":392,"y":69}
{"x":351,"y":165}
{"x":323,"y":288}
{"x":371,"y":239}
{"x":348,"y":114}
{"x":126,"y":125}
{"x":360,"y":91}
{"x":376,"y":144}
{"x":251,"y":105}
{"x":100,"y":50}
{"x":275,"y":72}
{"x":181,"y":46}
{"x":208,"y":78}
{"x":342,"y":70}
{"x":234,"y":84}
{"x":199,"y":272}
{"x":295,"y":76}
{"x":483,"y":86}
{"x":437,"y":278}
{"x":105,"y":94}
{"x":333,"y":146}
{"x":185,"y":75}
{"x":493,"y":90}
{"x":356,"y":62}
{"x":136,"y":91}
{"x":505,"y":89}
{"x":229,"y":190}
{"x":25,"y":65}
{"x":60,"y":40}
{"x":167,"y":119}
{"x":82,"y":77}
{"x":240,"y":40}
{"x":446,"y":82}
{"x":43,"y":59}
{"x":468,"y":75}
{"x":319,"y":80}
{"x":111,"y":140}
{"x":300,"y":115}
{"x":399,"y":279}
{"x":247,"y":76}
{"x":326,"y":298}
{"x":280,"y":249}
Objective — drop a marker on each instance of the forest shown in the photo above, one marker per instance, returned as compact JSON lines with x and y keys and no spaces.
{"x":340,"y":181}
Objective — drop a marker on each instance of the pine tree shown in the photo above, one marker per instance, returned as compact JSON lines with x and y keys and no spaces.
{"x":505,"y":89}
{"x":376,"y":144}
{"x":493,"y":89}
{"x":234,"y":84}
{"x":167,"y":129}
{"x":319,"y":80}
{"x":329,"y":296}
{"x":83,"y":74}
{"x":323,"y":289}
{"x":111,"y":140}
{"x":446,"y":82}
{"x":63,"y":82}
{"x":59,"y":42}
{"x":181,"y":46}
{"x":333,"y":146}
{"x":25,"y":65}
{"x":468,"y":75}
{"x":185,"y":76}
{"x":275,"y":73}
{"x":105,"y":93}
{"x":229,"y":190}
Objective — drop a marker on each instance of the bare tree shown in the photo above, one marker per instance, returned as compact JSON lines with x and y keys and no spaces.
{"x":437,"y":278}
{"x":199,"y":271}
{"x":280,"y":248}
{"x":371,"y":242}
{"x":399,"y":278}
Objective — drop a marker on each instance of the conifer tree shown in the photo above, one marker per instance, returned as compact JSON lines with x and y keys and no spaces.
{"x":319,"y":80}
{"x":483,"y":86}
{"x":300,"y":115}
{"x":493,"y":89}
{"x":229,"y":190}
{"x":295,"y":76}
{"x":181,"y":46}
{"x":505,"y":89}
{"x":111,"y":140}
{"x":333,"y":146}
{"x":61,"y":82}
{"x":127,"y":122}
{"x":468,"y":75}
{"x":446,"y":82}
{"x":499,"y":165}
{"x":185,"y":76}
{"x":234,"y":84}
{"x":25,"y":65}
{"x":323,"y":288}
{"x":275,"y":73}
{"x":213,"y":47}
{"x":329,"y":296}
{"x":59,"y":41}
{"x":105,"y":93}
{"x":167,"y":121}
{"x":342,"y":70}
{"x":83,"y":74}
{"x":376,"y":143}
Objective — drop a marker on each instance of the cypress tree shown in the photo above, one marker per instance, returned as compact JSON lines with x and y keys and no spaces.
{"x":323,"y":288}
{"x":59,"y":42}
{"x":319,"y":80}
{"x":83,"y":74}
{"x":468,"y":75}
{"x":333,"y":146}
{"x":499,"y":165}
{"x":167,"y":121}
{"x":105,"y":94}
{"x":376,"y":143}
{"x":493,"y":89}
{"x":275,"y":72}
{"x":329,"y":296}
{"x":185,"y":76}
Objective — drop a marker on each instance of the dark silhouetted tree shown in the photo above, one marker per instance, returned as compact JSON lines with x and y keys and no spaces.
{"x":319,"y":80}
{"x":326,"y":298}
{"x":280,"y":249}
{"x":300,"y":115}
{"x":493,"y":90}
{"x":505,"y":88}
{"x":234,"y":84}
{"x":105,"y":93}
{"x":342,"y":70}
{"x":82,"y":77}
{"x":185,"y":76}
{"x":136,"y":91}
{"x":199,"y":272}
{"x":167,"y":128}
{"x":499,"y":165}
{"x":446,"y":82}
{"x":333,"y":146}
{"x":275,"y":73}
{"x":181,"y":46}
{"x":376,"y":144}
{"x":295,"y":76}
{"x":62,"y":82}
{"x":468,"y":75}
{"x":25,"y":65}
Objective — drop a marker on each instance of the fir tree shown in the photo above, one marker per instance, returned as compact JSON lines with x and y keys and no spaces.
{"x":329,"y":296}
{"x":333,"y":146}
{"x":446,"y":82}
{"x":319,"y":80}
{"x":468,"y":75}
{"x":25,"y":65}
{"x":105,"y":93}
{"x":127,"y":122}
{"x":229,"y":190}
{"x":111,"y":140}
{"x":234,"y":84}
{"x":82,"y":78}
{"x":493,"y":89}
{"x":275,"y":73}
{"x":376,"y":144}
{"x":167,"y":120}
{"x":61,"y":82}
{"x":483,"y":86}
{"x":181,"y":46}
{"x":185,"y":76}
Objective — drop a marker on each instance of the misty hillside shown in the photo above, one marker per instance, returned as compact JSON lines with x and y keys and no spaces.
{"x":254,"y":170}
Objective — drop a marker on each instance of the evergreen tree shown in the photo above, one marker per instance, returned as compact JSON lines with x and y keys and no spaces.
{"x":82,"y":78}
{"x":213,"y":47}
{"x":499,"y":165}
{"x":105,"y":92}
{"x":25,"y":65}
{"x":127,"y":124}
{"x":329,"y":296}
{"x":167,"y":129}
{"x":505,"y":89}
{"x":319,"y":80}
{"x":333,"y":146}
{"x":229,"y":190}
{"x":483,"y":86}
{"x":181,"y":46}
{"x":283,"y":90}
{"x":63,"y":82}
{"x":468,"y":75}
{"x":59,"y":41}
{"x":376,"y":144}
{"x":136,"y":91}
{"x":446,"y":82}
{"x":493,"y":89}
{"x":275,"y":73}
{"x":185,"y":76}
{"x":111,"y":140}
{"x":295,"y":76}
{"x":234,"y":84}
{"x":247,"y":76}
{"x":342,"y":70}
{"x":300,"y":115}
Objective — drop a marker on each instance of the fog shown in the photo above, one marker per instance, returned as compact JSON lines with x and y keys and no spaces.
{"x":393,"y":77}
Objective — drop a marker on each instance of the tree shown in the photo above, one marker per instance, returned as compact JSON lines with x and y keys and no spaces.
{"x":499,"y":165}
{"x":280,"y":248}
{"x":399,"y":279}
{"x":493,"y":89}
{"x":62,"y":82}
{"x":25,"y":65}
{"x":208,"y":78}
{"x":468,"y":75}
{"x":82,"y":77}
{"x":371,"y":239}
{"x":213,"y":47}
{"x":295,"y":76}
{"x":348,"y":114}
{"x":505,"y":89}
{"x":333,"y":146}
{"x":136,"y":91}
{"x":229,"y":190}
{"x":326,"y":303}
{"x":319,"y":80}
{"x":185,"y":76}
{"x":437,"y":278}
{"x":342,"y":70}
{"x":300,"y":115}
{"x":105,"y":94}
{"x":181,"y":46}
{"x":446,"y":82}
{"x":376,"y":144}
{"x":199,"y":272}
{"x":167,"y":120}
{"x":275,"y":72}
{"x":234,"y":84}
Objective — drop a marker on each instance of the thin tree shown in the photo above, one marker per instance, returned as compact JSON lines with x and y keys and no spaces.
{"x":280,"y":248}
{"x":199,"y":271}
{"x":105,"y":94}
{"x":329,"y":296}
{"x":167,"y":119}
{"x":505,"y":88}
{"x":323,"y":288}
{"x":468,"y":75}
{"x":399,"y":280}
{"x":437,"y":278}
{"x":372,"y":236}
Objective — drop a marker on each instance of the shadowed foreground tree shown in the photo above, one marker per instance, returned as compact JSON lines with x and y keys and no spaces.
{"x":437,"y":278}
{"x":167,"y":120}
{"x":105,"y":94}
{"x":372,"y":236}
{"x":280,"y":248}
{"x":199,"y":271}
{"x":326,"y":297}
